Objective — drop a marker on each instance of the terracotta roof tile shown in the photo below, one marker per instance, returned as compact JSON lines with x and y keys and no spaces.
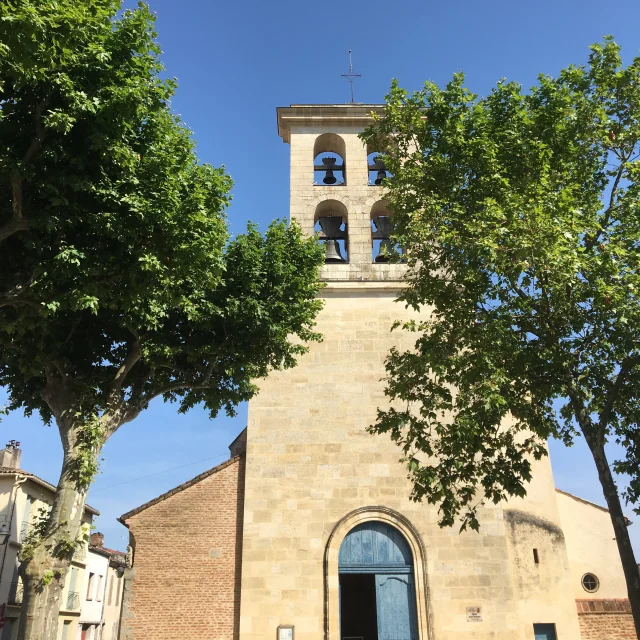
{"x":591,"y":504}
{"x":603,"y":605}
{"x":43,"y":483}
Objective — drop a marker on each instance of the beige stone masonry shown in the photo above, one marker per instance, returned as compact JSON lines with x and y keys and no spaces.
{"x":311,"y":462}
{"x":313,"y":471}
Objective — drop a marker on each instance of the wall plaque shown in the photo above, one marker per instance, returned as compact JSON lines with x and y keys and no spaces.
{"x":474,"y":614}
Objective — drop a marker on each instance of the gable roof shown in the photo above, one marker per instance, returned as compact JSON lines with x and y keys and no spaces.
{"x":239,"y":444}
{"x":99,"y":551}
{"x":592,"y":504}
{"x":6,"y":471}
{"x":587,"y":502}
{"x":178,"y":489}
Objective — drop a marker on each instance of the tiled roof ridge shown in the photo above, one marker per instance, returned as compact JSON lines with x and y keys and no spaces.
{"x":40,"y":481}
{"x":115,"y":552}
{"x":603,"y":605}
{"x":178,"y":489}
{"x":593,"y":504}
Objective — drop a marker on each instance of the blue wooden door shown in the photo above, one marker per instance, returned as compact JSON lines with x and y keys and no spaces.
{"x":395,"y":604}
{"x":380,"y":549}
{"x":374,"y":547}
{"x":544,"y":631}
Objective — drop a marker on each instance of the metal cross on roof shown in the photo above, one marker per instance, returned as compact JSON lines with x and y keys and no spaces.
{"x":351,"y":76}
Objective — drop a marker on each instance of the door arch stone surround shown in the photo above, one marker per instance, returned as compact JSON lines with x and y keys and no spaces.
{"x":331,"y":578}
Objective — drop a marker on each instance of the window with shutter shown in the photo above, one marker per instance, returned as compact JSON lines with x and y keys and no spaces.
{"x":26,"y":518}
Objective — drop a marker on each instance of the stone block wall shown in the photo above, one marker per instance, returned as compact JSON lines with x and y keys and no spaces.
{"x":605,"y":620}
{"x":185,"y":580}
{"x":311,"y":463}
{"x":357,"y":202}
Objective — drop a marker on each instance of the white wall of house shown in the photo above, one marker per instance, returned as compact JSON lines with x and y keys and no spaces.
{"x":95,"y":579}
{"x":589,"y":534}
{"x":113,"y":604}
{"x":22,"y":499}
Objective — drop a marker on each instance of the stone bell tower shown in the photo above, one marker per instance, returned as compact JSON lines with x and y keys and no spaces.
{"x":336,"y":190}
{"x":332,"y":543}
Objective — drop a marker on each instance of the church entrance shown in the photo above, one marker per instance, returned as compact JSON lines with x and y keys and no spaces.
{"x":377,"y":595}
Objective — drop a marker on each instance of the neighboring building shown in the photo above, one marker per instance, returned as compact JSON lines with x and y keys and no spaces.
{"x":23,"y":496}
{"x":114,"y":585}
{"x":93,"y":593}
{"x":308,"y":532}
{"x":189,"y":559}
{"x":597,"y":577}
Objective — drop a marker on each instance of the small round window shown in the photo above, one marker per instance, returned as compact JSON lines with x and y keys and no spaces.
{"x":590,"y":583}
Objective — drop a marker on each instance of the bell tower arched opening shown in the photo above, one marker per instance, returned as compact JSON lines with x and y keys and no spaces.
{"x":377,"y":171}
{"x":329,"y":160}
{"x":381,"y":247}
{"x":330,"y":223}
{"x":377,"y":591}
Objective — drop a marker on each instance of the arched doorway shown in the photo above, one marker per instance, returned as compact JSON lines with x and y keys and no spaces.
{"x":377,"y":593}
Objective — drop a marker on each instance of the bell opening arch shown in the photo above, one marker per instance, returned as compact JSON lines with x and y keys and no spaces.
{"x":376,"y":169}
{"x":401,"y":574}
{"x":329,"y":160}
{"x":331,"y":225}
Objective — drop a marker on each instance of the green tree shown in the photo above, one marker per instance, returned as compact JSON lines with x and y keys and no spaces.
{"x":118,"y":280}
{"x":519,"y":213}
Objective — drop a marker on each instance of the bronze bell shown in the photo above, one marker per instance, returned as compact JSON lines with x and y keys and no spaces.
{"x":382,"y":233}
{"x":331,"y":233}
{"x":385,"y":251}
{"x":332,"y":251}
{"x":329,"y":164}
{"x":382,"y":173}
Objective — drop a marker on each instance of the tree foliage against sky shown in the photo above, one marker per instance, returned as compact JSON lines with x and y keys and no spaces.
{"x":519,"y":213}
{"x":119,"y":282}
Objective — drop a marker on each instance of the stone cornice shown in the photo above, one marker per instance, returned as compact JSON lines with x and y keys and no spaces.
{"x":324,"y":114}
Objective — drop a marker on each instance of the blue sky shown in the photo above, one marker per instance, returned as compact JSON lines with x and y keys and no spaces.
{"x":235,"y":63}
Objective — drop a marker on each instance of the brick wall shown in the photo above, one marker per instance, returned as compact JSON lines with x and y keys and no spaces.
{"x":605,"y":620}
{"x":185,"y":579}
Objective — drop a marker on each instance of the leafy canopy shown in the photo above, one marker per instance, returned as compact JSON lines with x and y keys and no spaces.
{"x":118,"y":280}
{"x":520,"y":216}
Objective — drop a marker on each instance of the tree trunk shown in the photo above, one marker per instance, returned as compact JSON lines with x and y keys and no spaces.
{"x":45,"y":564}
{"x":40,"y":606}
{"x":620,"y":529}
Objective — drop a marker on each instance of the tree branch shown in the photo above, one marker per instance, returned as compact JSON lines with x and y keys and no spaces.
{"x":586,"y":342}
{"x":605,"y":415}
{"x":13,"y":226}
{"x":174,"y":387}
{"x":41,"y":133}
{"x":531,"y":300}
{"x":18,"y":220}
{"x":519,"y":291}
{"x":74,"y":326}
{"x":129,"y":362}
{"x":15,"y":301}
{"x":580,"y":411}
{"x":614,"y":191}
{"x":57,"y":393}
{"x":14,"y":296}
{"x":132,"y":331}
{"x":209,"y":371}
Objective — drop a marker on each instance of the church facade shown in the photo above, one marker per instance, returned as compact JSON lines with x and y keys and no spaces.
{"x":308,"y":531}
